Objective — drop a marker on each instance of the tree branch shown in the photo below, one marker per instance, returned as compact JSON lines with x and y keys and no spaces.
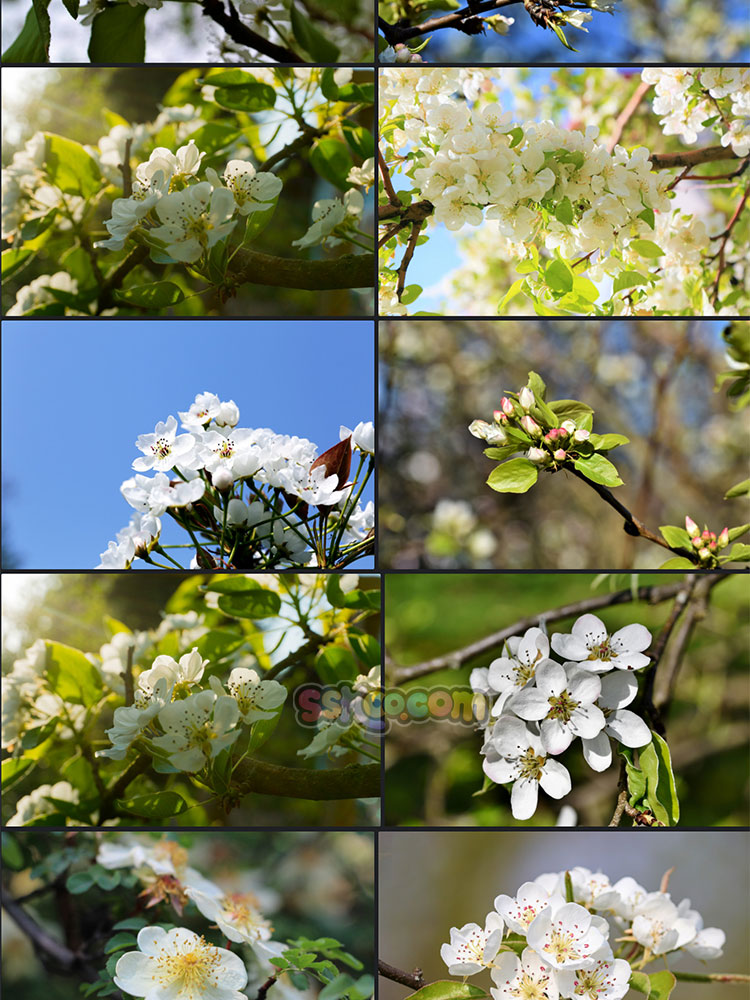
{"x":116,"y":278}
{"x":41,"y":940}
{"x":355,"y":781}
{"x":296,"y":657}
{"x":397,"y":34}
{"x":414,"y":980}
{"x":655,"y":594}
{"x":626,"y":114}
{"x":349,"y":271}
{"x":239,"y":32}
{"x":692,"y":157}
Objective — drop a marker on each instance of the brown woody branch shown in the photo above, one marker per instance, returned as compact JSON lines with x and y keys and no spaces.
{"x":355,"y":781}
{"x":256,"y":268}
{"x":692,"y":157}
{"x":652,"y":594}
{"x":44,"y":944}
{"x":239,"y":32}
{"x":414,"y":980}
{"x":397,"y":34}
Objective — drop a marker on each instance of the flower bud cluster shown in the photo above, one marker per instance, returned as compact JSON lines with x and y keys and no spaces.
{"x":705,"y":542}
{"x":262,"y":481}
{"x":539,"y":706}
{"x":565,"y":934}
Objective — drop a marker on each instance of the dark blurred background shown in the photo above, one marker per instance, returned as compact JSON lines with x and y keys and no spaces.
{"x":434,"y":768}
{"x":652,"y":380}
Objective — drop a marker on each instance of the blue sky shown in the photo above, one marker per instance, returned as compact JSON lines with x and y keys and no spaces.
{"x":76,"y":395}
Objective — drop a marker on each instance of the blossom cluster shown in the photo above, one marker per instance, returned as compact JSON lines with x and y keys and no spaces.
{"x":231,"y":485}
{"x":539,"y":706}
{"x":539,"y":182}
{"x":713,"y":97}
{"x":564,"y":934}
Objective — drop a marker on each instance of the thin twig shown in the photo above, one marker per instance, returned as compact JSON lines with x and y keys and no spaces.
{"x":126,"y":170}
{"x":127,"y":677}
{"x":632,"y":525}
{"x":239,"y":32}
{"x":42,"y":941}
{"x":387,"y":182}
{"x":301,"y":142}
{"x":414,"y":980}
{"x":724,"y":240}
{"x":691,"y":157}
{"x":416,"y":229}
{"x":653,"y":594}
{"x":396,"y":34}
{"x":626,"y":114}
{"x":262,"y":990}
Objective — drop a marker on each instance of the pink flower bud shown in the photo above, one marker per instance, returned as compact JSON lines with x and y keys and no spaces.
{"x":531,"y":426}
{"x":581,"y":435}
{"x":723,"y":540}
{"x":538,"y":455}
{"x":706,"y":535}
{"x":560,"y":455}
{"x":506,"y":405}
{"x":691,"y":527}
{"x":526,"y":398}
{"x":498,"y":416}
{"x":704,"y":554}
{"x":563,"y":432}
{"x":697,"y":543}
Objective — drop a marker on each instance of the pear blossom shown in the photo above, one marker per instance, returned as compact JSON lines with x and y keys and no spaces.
{"x":659,"y":926}
{"x":564,"y":703}
{"x":513,"y":753}
{"x":131,"y":720}
{"x":184,"y":163}
{"x":157,"y":495}
{"x":36,"y":803}
{"x":617,"y":690}
{"x":193,"y":220}
{"x":180,"y":965}
{"x":527,"y":977}
{"x":595,"y":649}
{"x":607,"y":978}
{"x":238,"y":918}
{"x":256,"y":698}
{"x":363,"y":436}
{"x":165,"y":448}
{"x":197,"y":729}
{"x":509,"y":674}
{"x":566,"y":937}
{"x":253,"y":191}
{"x":178,"y":676}
{"x":473,"y":948}
{"x":518,"y":911}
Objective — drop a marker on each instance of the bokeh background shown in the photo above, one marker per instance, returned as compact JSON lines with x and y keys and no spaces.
{"x":434,"y":768}
{"x":638,"y":31}
{"x":70,"y":101}
{"x":83,"y":392}
{"x":321,"y":885}
{"x":453,"y":878}
{"x":72,"y":608}
{"x":652,"y":380}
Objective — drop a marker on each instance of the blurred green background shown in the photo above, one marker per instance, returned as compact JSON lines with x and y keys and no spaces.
{"x":453,"y":878}
{"x":323,"y":883}
{"x":72,"y":607}
{"x":433,"y":768}
{"x":652,"y":380}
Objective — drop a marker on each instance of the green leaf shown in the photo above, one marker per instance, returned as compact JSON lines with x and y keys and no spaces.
{"x":739,"y":553}
{"x":15,"y":260}
{"x":648,"y":217}
{"x":570,"y":409}
{"x":13,"y":770}
{"x":70,"y":167}
{"x":313,"y":41}
{"x":72,"y":7}
{"x":332,"y":161}
{"x":359,"y":139}
{"x":738,"y":531}
{"x":410,"y":293}
{"x":157,"y":295}
{"x":232,"y":585}
{"x":79,"y":882}
{"x":118,"y":35}
{"x":339,"y":986}
{"x":527,"y":266}
{"x":32,"y":42}
{"x":662,"y":984}
{"x":218,"y":643}
{"x":646,"y":248}
{"x":256,"y":603}
{"x":499,"y":454}
{"x":155,"y":805}
{"x":215,"y":136}
{"x":130,"y":924}
{"x":328,"y":84}
{"x":515,"y":135}
{"x":640,"y":981}
{"x":119,"y":943}
{"x":514,"y":290}
{"x":678,"y":562}
{"x":262,"y":730}
{"x":585,"y":288}
{"x":558,"y":276}
{"x":367,"y":648}
{"x":35,"y":227}
{"x":738,"y":490}
{"x":336,"y":663}
{"x":12,"y":852}
{"x":486,"y":785}
{"x":36,"y":736}
{"x":605,"y":442}
{"x":361,"y":600}
{"x":516,"y":476}
{"x":675,"y":536}
{"x":250,"y":97}
{"x":629,"y":279}
{"x":598,"y":469}
{"x":635,"y":777}
{"x":661,"y":794}
{"x":448,"y":990}
{"x":564,"y":212}
{"x":537,"y":384}
{"x":71,"y":675}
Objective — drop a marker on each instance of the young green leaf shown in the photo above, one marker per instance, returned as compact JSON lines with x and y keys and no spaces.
{"x":661,"y":794}
{"x":516,"y":476}
{"x":598,"y":469}
{"x":676,"y":537}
